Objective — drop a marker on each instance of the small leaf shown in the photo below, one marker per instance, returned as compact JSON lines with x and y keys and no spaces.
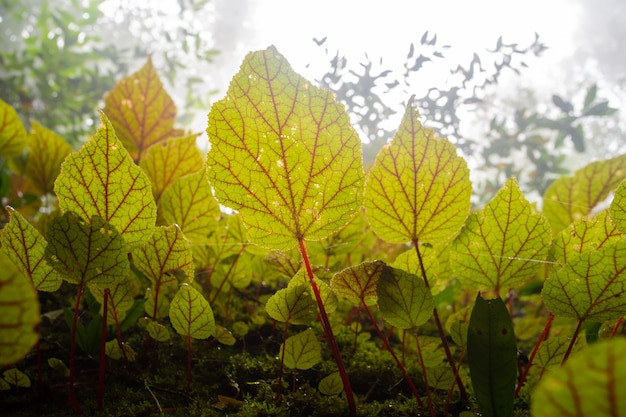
{"x":122,"y":298}
{"x":591,"y":286}
{"x":191,"y":315}
{"x":302,"y":351}
{"x":358,"y":282}
{"x":418,"y":188}
{"x":293,"y":305}
{"x":503,"y":245}
{"x":328,"y":296}
{"x":224,"y":336}
{"x":19,"y":313}
{"x":331,"y":384}
{"x":403,"y":298}
{"x":618,"y":208}
{"x":158,"y":331}
{"x":458,"y":324}
{"x":4,"y":386}
{"x":141,"y":111}
{"x":189,"y":203}
{"x":12,"y":132}
{"x":169,"y":160}
{"x":16,"y":377}
{"x":570,"y":198}
{"x":46,"y":152}
{"x":112,"y":350}
{"x":25,"y":246}
{"x":84,"y":252}
{"x":492,"y":356}
{"x":101,"y":179}
{"x":591,"y":383}
{"x":440,"y":377}
{"x":283,"y":154}
{"x":59,"y":366}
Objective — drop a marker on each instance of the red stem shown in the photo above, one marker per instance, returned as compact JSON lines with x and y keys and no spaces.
{"x":617,"y":326}
{"x":230,"y":269}
{"x":73,"y":350}
{"x":188,"y":363}
{"x":442,"y":334}
{"x":433,"y":413}
{"x":119,"y":331}
{"x":571,"y":344}
{"x":542,"y":337}
{"x":328,"y":331}
{"x":105,"y":306}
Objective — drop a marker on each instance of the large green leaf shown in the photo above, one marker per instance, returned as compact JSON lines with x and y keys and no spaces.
{"x":570,"y":198}
{"x":86,"y":252}
{"x":46,"y":152}
{"x":12,"y":132}
{"x":302,"y":351}
{"x":191,"y":314}
{"x":19,"y":313}
{"x":618,"y":207}
{"x":25,"y":246}
{"x":591,"y":286}
{"x":492,"y":356}
{"x":283,"y":154}
{"x":502,"y":245}
{"x":102,"y":179}
{"x":141,"y":111}
{"x":591,"y":383}
{"x":418,"y":188}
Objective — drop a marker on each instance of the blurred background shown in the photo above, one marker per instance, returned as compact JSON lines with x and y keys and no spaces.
{"x":533,"y":89}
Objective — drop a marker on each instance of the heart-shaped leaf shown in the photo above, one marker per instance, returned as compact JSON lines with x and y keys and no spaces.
{"x":358,"y":282}
{"x":302,"y":351}
{"x":293,"y":305}
{"x":191,"y":314}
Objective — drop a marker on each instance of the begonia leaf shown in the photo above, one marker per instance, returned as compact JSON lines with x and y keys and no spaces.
{"x":293,"y":305}
{"x":190,"y":314}
{"x":122,"y":298}
{"x":157,"y":331}
{"x":331,"y":384}
{"x":16,"y":377}
{"x":302,"y":351}
{"x":283,"y":154}
{"x":102,"y":179}
{"x":12,"y":132}
{"x":418,"y":188}
{"x":618,"y":208}
{"x":358,"y":282}
{"x":327,"y":295}
{"x":46,"y":152}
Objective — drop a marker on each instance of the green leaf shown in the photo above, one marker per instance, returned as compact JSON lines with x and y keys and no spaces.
{"x":84,"y":252}
{"x":189,"y":203}
{"x":224,"y":336}
{"x":122,"y":298}
{"x":328,"y":296}
{"x":331,"y":384}
{"x":12,"y":132}
{"x":591,"y":383}
{"x":141,"y":111}
{"x":101,"y":179}
{"x":591,"y":286}
{"x":293,"y":305}
{"x":19,"y":313}
{"x":403,"y":298}
{"x":46,"y":152}
{"x":418,"y":188}
{"x":618,"y":208}
{"x":283,"y":154}
{"x":570,"y":198}
{"x":169,"y":160}
{"x":492,"y":356}
{"x":503,"y":245}
{"x":191,"y":314}
{"x":302,"y":351}
{"x":158,"y":331}
{"x":358,"y":282}
{"x":458,"y":324}
{"x":25,"y":246}
{"x":552,"y":351}
{"x":16,"y":377}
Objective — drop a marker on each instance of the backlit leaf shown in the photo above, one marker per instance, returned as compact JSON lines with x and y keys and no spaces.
{"x":569,"y":198}
{"x":418,"y":188}
{"x":158,"y":331}
{"x":19,"y":313}
{"x":12,"y":132}
{"x":170,"y":160}
{"x":112,"y":350}
{"x":122,"y":298}
{"x":358,"y":282}
{"x":552,"y":351}
{"x":283,"y":154}
{"x":16,"y":377}
{"x":591,"y":383}
{"x":591,"y":286}
{"x":141,"y":111}
{"x":503,"y":245}
{"x":189,"y":203}
{"x":25,"y":246}
{"x":403,"y":298}
{"x":492,"y":356}
{"x":46,"y":152}
{"x":224,"y":336}
{"x":101,"y":179}
{"x":84,"y":252}
{"x":458,"y":324}
{"x":302,"y":351}
{"x":408,"y":261}
{"x":331,"y":384}
{"x":328,"y":296}
{"x":191,"y":314}
{"x":618,"y":207}
{"x":293,"y":305}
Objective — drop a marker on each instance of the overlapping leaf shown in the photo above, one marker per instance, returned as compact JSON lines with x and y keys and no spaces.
{"x":189,"y":203}
{"x":19,"y":313}
{"x":122,"y":298}
{"x":283,"y":154}
{"x":86,"y":252}
{"x":169,"y":160}
{"x":552,"y":351}
{"x":46,"y":152}
{"x":569,"y":198}
{"x":101,"y":179}
{"x":327,"y":295}
{"x":403,"y":298}
{"x":358,"y":282}
{"x":418,"y":188}
{"x":591,"y":383}
{"x":141,"y":111}
{"x":191,"y":314}
{"x":293,"y":305}
{"x":618,"y":207}
{"x":501,"y":246}
{"x":591,"y":286}
{"x":25,"y":246}
{"x":12,"y":132}
{"x":302,"y":351}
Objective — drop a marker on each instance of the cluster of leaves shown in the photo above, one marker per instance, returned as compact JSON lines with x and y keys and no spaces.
{"x":133,"y":219}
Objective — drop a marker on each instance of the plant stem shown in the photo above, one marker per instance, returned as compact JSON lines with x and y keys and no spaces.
{"x":230,"y":269}
{"x":571,"y":344}
{"x":73,"y":350}
{"x":281,"y":367}
{"x":542,"y":337}
{"x":433,"y":413}
{"x":328,"y":331}
{"x":103,"y":339}
{"x":617,"y":326}
{"x":188,"y":363}
{"x":442,"y":334}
